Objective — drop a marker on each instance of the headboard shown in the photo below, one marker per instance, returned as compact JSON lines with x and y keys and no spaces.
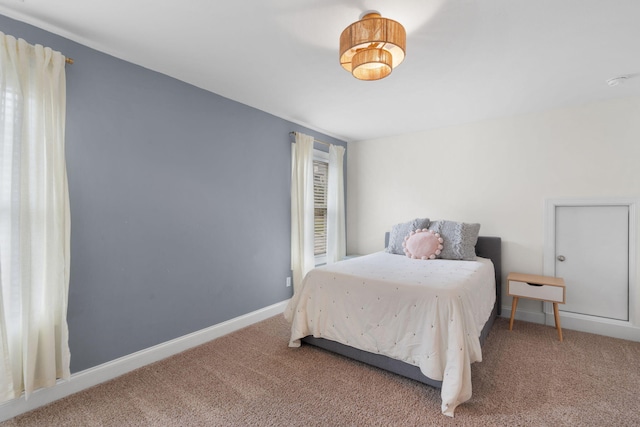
{"x":486,"y":247}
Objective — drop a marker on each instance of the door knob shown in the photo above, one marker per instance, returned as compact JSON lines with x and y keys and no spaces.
{"x":561,"y":258}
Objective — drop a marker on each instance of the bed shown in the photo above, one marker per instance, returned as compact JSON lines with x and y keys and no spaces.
{"x":426,"y":324}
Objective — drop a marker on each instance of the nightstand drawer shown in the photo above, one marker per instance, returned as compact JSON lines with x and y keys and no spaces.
{"x":541,"y":292}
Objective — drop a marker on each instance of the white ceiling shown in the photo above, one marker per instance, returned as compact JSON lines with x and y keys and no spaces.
{"x":467,"y":60}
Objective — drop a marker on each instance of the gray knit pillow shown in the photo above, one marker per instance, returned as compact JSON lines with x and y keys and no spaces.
{"x":400,"y":231}
{"x":459,"y":239}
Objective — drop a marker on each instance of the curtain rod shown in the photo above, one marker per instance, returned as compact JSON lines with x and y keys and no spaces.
{"x":315,"y":140}
{"x":68,"y":60}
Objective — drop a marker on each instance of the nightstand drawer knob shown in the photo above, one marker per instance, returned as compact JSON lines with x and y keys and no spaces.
{"x":561,"y":258}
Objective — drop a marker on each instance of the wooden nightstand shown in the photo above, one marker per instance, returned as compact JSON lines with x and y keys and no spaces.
{"x":543,"y":288}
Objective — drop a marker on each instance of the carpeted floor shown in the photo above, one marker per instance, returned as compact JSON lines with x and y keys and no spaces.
{"x":251,"y":378}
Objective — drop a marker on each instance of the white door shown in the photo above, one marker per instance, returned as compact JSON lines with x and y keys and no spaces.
{"x":592,"y":255}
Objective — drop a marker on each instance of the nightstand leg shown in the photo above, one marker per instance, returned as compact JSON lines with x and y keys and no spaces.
{"x":514,"y":305}
{"x":556,"y":316}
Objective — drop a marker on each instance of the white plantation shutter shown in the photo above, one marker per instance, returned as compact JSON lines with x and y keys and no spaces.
{"x":320,"y":179}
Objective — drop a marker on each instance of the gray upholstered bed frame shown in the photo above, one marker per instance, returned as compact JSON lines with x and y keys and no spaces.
{"x":487,"y":247}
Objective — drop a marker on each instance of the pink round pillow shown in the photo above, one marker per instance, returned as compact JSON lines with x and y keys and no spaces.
{"x":423,"y":244}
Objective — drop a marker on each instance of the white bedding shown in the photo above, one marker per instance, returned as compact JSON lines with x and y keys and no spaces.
{"x":425,"y":313}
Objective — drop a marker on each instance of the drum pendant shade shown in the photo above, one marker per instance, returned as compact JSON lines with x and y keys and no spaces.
{"x":372,"y":47}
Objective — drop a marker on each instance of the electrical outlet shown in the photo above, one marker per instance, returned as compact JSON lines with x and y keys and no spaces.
{"x":288,"y":281}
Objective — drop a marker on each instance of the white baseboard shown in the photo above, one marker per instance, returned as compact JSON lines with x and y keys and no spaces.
{"x":527,"y":316}
{"x":578,"y":322}
{"x":107,"y":371}
{"x":597,"y":325}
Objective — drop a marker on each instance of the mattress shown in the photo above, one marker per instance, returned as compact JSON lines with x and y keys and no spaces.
{"x":424,"y":313}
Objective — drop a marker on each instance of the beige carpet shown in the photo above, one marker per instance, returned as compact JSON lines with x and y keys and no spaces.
{"x":251,"y":378}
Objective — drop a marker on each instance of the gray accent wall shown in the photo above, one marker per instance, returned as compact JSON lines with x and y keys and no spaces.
{"x":180,"y":206}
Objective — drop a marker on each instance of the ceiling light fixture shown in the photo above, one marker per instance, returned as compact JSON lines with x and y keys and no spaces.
{"x":372,"y":47}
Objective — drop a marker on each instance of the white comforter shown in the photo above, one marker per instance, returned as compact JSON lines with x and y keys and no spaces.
{"x":425,"y":313}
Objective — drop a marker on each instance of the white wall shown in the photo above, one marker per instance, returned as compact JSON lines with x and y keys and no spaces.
{"x":497,"y":173}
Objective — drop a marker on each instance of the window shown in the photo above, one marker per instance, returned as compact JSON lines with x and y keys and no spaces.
{"x":320,"y":179}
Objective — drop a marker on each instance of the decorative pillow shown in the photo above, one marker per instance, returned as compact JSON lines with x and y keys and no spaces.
{"x":399,"y":231}
{"x":423,"y":244}
{"x":460,"y":238}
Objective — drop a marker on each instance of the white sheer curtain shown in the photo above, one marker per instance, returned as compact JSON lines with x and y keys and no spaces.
{"x":34,"y":219}
{"x":336,"y":238}
{"x":302,"y":258}
{"x":302,"y":211}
